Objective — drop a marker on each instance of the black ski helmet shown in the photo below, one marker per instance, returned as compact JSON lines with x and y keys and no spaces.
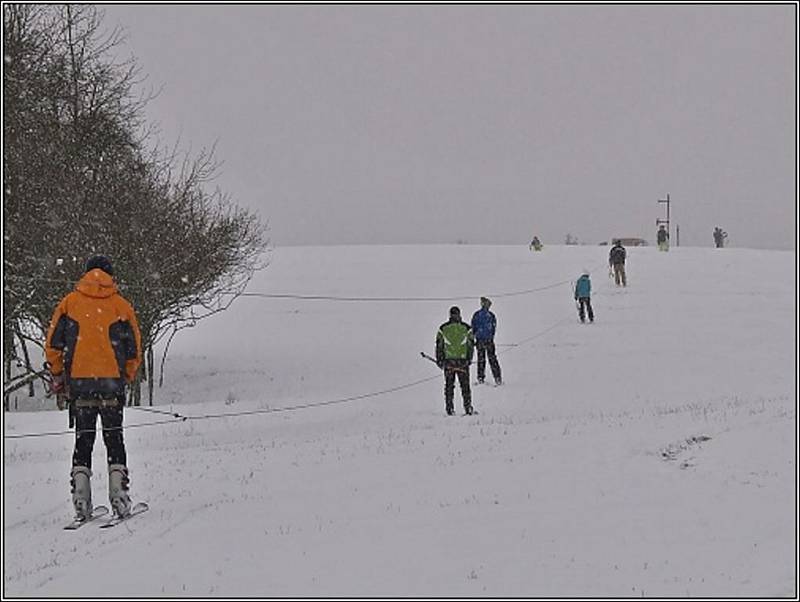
{"x":100,"y":261}
{"x":455,"y":312}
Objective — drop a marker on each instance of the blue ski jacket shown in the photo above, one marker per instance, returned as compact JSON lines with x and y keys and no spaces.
{"x":583,"y":287}
{"x":484,"y":325}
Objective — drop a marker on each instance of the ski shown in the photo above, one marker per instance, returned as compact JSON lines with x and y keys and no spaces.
{"x":138,"y":508}
{"x":97,"y":512}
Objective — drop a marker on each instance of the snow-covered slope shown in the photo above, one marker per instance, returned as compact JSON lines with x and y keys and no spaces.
{"x":652,"y":453}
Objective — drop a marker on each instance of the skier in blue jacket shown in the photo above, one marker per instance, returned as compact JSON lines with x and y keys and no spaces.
{"x":484,"y":325}
{"x":583,"y":294}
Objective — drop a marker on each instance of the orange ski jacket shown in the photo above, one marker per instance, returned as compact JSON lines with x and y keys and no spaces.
{"x":94,"y":339}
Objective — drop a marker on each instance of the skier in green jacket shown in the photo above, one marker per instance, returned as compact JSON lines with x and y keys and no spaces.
{"x":454,"y":347}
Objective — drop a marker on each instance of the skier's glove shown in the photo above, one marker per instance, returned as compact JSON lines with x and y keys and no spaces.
{"x":57,"y":384}
{"x":59,"y":389}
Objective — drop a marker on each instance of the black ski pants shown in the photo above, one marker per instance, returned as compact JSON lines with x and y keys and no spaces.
{"x":487,"y":348}
{"x":585,"y":302}
{"x":85,"y":425}
{"x":456,"y":369}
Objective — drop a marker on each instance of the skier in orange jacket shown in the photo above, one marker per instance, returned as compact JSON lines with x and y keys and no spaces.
{"x":94,"y":350}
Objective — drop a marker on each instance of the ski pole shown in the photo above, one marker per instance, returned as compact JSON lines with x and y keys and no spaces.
{"x":428,"y":357}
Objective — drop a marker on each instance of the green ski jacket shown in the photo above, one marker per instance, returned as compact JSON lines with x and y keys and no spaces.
{"x":454,"y":341}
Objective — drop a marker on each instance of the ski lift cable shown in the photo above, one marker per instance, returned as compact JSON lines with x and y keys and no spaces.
{"x":182,"y":418}
{"x":311,"y":297}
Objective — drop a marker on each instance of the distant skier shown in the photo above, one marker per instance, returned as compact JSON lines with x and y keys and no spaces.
{"x":536,"y":244}
{"x":454,"y":348}
{"x":719,"y":237}
{"x":94,"y":349}
{"x":484,"y":326}
{"x":663,"y":239}
{"x":616,"y":260}
{"x":583,"y":295}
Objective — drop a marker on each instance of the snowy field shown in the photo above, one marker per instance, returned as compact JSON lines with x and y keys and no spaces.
{"x":652,"y":453}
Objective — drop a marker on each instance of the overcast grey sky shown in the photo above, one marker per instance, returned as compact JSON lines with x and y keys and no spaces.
{"x":488,"y":124}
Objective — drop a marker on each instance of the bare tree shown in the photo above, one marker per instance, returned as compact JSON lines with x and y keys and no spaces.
{"x":198,"y":255}
{"x":79,"y":179}
{"x":69,"y":113}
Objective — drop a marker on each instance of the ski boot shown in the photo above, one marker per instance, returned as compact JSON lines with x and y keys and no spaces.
{"x":81,"y":488}
{"x":118,"y":489}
